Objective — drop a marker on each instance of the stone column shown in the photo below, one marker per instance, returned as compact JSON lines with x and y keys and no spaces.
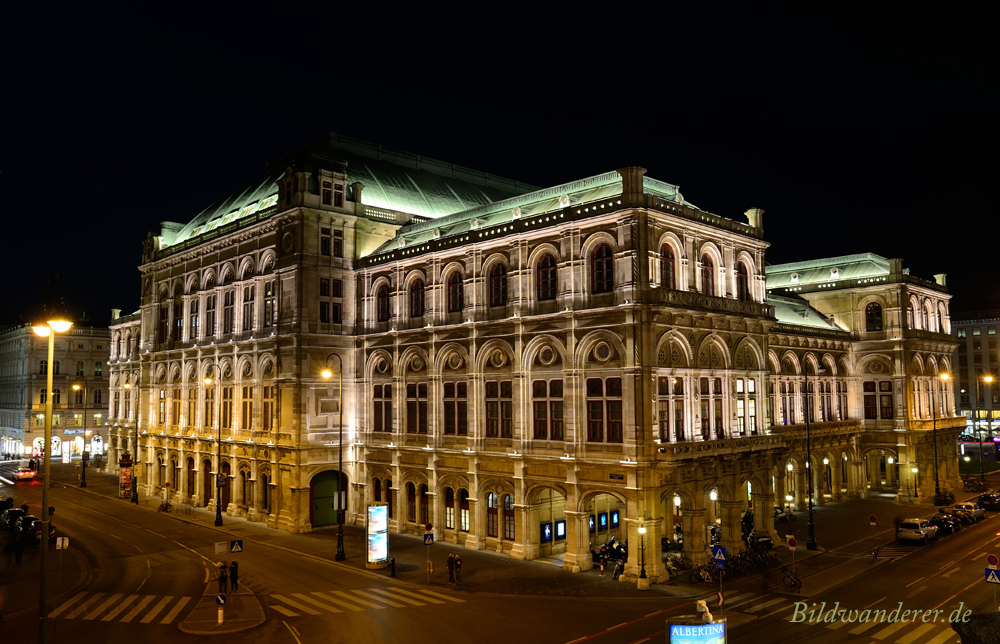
{"x":874,"y":473}
{"x":800,"y":489}
{"x":732,"y":537}
{"x":577,"y":557}
{"x":763,"y":516}
{"x":819,"y":497}
{"x":694,"y":535}
{"x":837,"y":479}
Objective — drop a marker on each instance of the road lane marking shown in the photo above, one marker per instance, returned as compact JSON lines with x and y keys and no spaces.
{"x":6,"y":481}
{"x":169,"y":617}
{"x":292,"y":631}
{"x":764,"y":605}
{"x":947,"y":634}
{"x":138,"y":607}
{"x":156,"y":609}
{"x":773,"y":612}
{"x":440,"y":596}
{"x":913,"y":582}
{"x":355,"y":599}
{"x":402,"y":599}
{"x":952,"y":571}
{"x":889,"y":630}
{"x":864,"y":627}
{"x":619,"y":626}
{"x":579,"y":639}
{"x":295,"y":604}
{"x":953,"y":561}
{"x":69,"y":603}
{"x":916,"y":592}
{"x":284,"y":611}
{"x":338,"y":602}
{"x":100,"y":609}
{"x":400,"y":591}
{"x":307,"y":598}
{"x":980,"y":556}
{"x":82,"y":607}
{"x":378,"y":599}
{"x":912,"y":637}
{"x":119,"y":608}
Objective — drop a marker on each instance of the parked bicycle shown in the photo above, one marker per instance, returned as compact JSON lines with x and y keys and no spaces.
{"x":791,"y":580}
{"x":165,"y":507}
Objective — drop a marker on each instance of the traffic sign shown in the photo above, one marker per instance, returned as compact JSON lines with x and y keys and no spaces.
{"x":718,"y":553}
{"x":991,"y":562}
{"x":221,"y":481}
{"x":220,"y":599}
{"x":720,"y":565}
{"x":872,"y":519}
{"x":62,"y":543}
{"x":428,"y":538}
{"x":792,"y":543}
{"x":722,"y":599}
{"x":428,"y":527}
{"x":991,"y":576}
{"x":220,"y":547}
{"x":236,"y":546}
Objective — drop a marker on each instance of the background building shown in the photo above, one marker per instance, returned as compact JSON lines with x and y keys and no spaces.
{"x":79,"y":391}
{"x":976,"y":359}
{"x":530,"y":370}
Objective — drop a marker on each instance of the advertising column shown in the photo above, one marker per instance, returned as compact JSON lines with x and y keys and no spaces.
{"x":377,"y":535}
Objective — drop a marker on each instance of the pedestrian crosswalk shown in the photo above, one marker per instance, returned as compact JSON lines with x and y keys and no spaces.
{"x":89,"y":606}
{"x":896,"y":551}
{"x":346,"y":601}
{"x":896,"y":632}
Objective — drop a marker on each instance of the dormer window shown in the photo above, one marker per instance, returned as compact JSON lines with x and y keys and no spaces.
{"x":327,"y":193}
{"x":338,"y":196}
{"x":795,"y":278}
{"x":834,"y":273}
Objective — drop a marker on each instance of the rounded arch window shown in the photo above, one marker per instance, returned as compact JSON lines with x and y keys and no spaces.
{"x":498,"y":285}
{"x":667,"y":267}
{"x":742,"y":282}
{"x":546,"y":278}
{"x":382,"y":303}
{"x":707,"y":275}
{"x":873,"y":317}
{"x":417,"y":298}
{"x":455,"y":293}
{"x":602,"y":270}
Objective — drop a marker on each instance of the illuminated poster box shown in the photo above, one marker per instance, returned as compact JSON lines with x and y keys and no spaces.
{"x":378,"y":535}
{"x":695,"y":631}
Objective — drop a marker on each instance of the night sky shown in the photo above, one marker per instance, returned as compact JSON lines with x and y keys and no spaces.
{"x":855,"y":131}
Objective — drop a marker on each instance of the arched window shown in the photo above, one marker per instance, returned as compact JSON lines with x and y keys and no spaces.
{"x":411,"y":503}
{"x":508,"y":517}
{"x":449,"y":508}
{"x":463,"y":510}
{"x":707,"y":275}
{"x":79,"y":367}
{"x":417,"y":299}
{"x":498,"y":285}
{"x":455,"y":297}
{"x":940,"y":324}
{"x":265,"y":494}
{"x":602,"y":270}
{"x":742,"y":283}
{"x":42,"y":396}
{"x":55,"y":371}
{"x":56,"y":394}
{"x":382,"y":303}
{"x":667,"y":267}
{"x":377,"y":488}
{"x":926,"y":326}
{"x":547,"y":278}
{"x":98,"y":397}
{"x":424,"y":506}
{"x":910,"y":320}
{"x":873,"y":317}
{"x":492,"y":517}
{"x":98,"y":368}
{"x":43,"y":367}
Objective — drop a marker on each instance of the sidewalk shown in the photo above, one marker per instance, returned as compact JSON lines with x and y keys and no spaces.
{"x":843,"y":535}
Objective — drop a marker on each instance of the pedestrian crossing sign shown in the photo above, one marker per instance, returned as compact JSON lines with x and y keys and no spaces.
{"x":236,"y":546}
{"x":991,"y":576}
{"x":718,"y":553}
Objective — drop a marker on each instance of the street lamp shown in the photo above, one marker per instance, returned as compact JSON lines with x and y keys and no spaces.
{"x":987,"y":379}
{"x":327,"y":373}
{"x":135,"y":460}
{"x":914,"y":491}
{"x":83,"y":457}
{"x":967,"y":459}
{"x":49,"y":329}
{"x":937,"y":483}
{"x":218,"y":451}
{"x":811,"y":539}
{"x":642,"y":553}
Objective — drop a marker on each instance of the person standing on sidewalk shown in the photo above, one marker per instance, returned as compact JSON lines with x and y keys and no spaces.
{"x":458,"y":569}
{"x":451,"y":567}
{"x":234,"y":576}
{"x":222,"y":577}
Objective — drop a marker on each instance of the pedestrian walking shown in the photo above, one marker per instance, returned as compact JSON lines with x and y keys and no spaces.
{"x":222,"y":577}
{"x":234,"y":576}
{"x":458,"y":568}
{"x":451,"y":567}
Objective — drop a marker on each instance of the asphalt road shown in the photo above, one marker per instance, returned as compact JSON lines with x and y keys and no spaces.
{"x":147,"y":571}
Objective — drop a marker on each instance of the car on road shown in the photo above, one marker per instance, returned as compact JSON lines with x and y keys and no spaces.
{"x":916,"y":530}
{"x":10,"y":516}
{"x":990,"y":501}
{"x":976,"y":510}
{"x":945,"y":523}
{"x":25,"y":474}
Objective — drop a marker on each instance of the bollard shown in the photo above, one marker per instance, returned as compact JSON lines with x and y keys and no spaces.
{"x":602,"y":567}
{"x":220,"y":614}
{"x":392,"y":567}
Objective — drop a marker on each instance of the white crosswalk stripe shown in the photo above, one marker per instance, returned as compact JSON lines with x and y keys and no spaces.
{"x":358,"y":599}
{"x":87,"y":606}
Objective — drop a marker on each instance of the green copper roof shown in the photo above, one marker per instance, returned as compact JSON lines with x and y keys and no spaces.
{"x":794,"y":310}
{"x":392,"y":179}
{"x":825,"y":271}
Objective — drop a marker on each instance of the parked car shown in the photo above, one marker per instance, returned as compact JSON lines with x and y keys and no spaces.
{"x":25,"y":474}
{"x":10,"y":517}
{"x":976,"y":510}
{"x":945,"y":523}
{"x":990,"y":501}
{"x":916,"y":530}
{"x":961,"y":515}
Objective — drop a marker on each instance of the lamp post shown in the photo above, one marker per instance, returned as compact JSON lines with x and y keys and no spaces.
{"x":135,"y":460}
{"x":811,"y":538}
{"x":327,"y":373}
{"x":83,"y":456}
{"x":49,"y":329}
{"x":914,"y":491}
{"x":937,"y":483}
{"x":218,"y":451}
{"x":642,"y":558}
{"x":979,"y":432}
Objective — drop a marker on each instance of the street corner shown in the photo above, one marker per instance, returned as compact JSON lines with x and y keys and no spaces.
{"x":217,"y":614}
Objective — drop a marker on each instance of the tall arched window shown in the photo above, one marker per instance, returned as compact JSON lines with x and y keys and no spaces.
{"x":873,"y":317}
{"x":411,"y":503}
{"x":417,"y":299}
{"x":940,"y":323}
{"x":925,"y":320}
{"x":498,"y":285}
{"x":492,"y":516}
{"x":742,"y":282}
{"x":547,"y":278}
{"x":910,"y":320}
{"x":382,"y":303}
{"x":425,"y":515}
{"x":508,"y":517}
{"x":56,"y":396}
{"x":667,"y":267}
{"x":43,"y":367}
{"x":602,"y":270}
{"x":455,"y":302}
{"x":707,"y":275}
